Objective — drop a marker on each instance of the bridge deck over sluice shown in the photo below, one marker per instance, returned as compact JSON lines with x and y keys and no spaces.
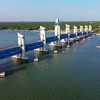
{"x":9,"y":51}
{"x":31,"y":45}
{"x":19,"y":51}
{"x":7,"y":47}
{"x":23,"y":46}
{"x":63,"y":36}
{"x":51,"y":39}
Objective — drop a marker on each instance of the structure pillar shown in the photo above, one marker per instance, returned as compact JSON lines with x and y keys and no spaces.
{"x":75,"y":31}
{"x":86,"y":29}
{"x":43,"y":37}
{"x":57,"y":31}
{"x":21,"y":43}
{"x":81,"y":31}
{"x":90,"y":30}
{"x":2,"y":74}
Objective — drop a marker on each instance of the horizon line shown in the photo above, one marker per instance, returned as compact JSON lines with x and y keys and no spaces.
{"x":44,"y":21}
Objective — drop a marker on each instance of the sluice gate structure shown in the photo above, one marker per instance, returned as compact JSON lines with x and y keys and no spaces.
{"x":19,"y":51}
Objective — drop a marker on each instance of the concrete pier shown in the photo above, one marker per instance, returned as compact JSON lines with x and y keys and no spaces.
{"x":36,"y":57}
{"x":41,"y":51}
{"x":75,"y":31}
{"x":21,"y":43}
{"x":67,"y":31}
{"x":2,"y":74}
{"x":43,"y":39}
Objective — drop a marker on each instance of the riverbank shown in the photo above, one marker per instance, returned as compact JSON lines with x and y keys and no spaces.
{"x":34,"y":30}
{"x":98,"y":34}
{"x":38,"y":31}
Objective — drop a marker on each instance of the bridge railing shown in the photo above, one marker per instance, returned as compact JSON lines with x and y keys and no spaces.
{"x":10,"y":52}
{"x":63,"y":36}
{"x":32,"y":46}
{"x":25,"y":47}
{"x":79,"y":34}
{"x":51,"y":39}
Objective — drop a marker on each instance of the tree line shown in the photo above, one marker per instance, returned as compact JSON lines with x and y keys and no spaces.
{"x":47,"y":25}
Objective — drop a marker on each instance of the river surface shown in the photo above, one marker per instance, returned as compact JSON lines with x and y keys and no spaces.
{"x":71,"y":74}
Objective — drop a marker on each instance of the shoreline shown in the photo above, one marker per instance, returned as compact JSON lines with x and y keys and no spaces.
{"x":62,"y":31}
{"x":34,"y":30}
{"x":98,"y":34}
{"x":39,"y":31}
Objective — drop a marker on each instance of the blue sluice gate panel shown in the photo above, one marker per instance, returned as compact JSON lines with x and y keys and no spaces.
{"x":84,"y":33}
{"x":51,"y":39}
{"x":79,"y":34}
{"x":63,"y":36}
{"x":9,"y":52}
{"x":89,"y":32}
{"x":32,"y":46}
{"x":72,"y":35}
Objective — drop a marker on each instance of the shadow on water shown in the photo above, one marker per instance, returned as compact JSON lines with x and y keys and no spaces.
{"x":12,"y":65}
{"x":46,"y":56}
{"x":12,"y":71}
{"x":8,"y":64}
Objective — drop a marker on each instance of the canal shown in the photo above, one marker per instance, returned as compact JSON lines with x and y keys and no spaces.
{"x":71,"y":74}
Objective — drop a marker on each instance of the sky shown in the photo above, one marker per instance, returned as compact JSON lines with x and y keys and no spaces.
{"x":49,"y":10}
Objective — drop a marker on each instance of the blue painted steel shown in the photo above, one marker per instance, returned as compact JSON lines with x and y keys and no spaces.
{"x":63,"y":36}
{"x":9,"y":52}
{"x":89,"y":32}
{"x":51,"y":39}
{"x":84,"y":33}
{"x":32,"y":46}
{"x":72,"y":35}
{"x":79,"y":34}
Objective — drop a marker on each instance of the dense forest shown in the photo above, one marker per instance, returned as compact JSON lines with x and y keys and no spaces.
{"x":48,"y":25}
